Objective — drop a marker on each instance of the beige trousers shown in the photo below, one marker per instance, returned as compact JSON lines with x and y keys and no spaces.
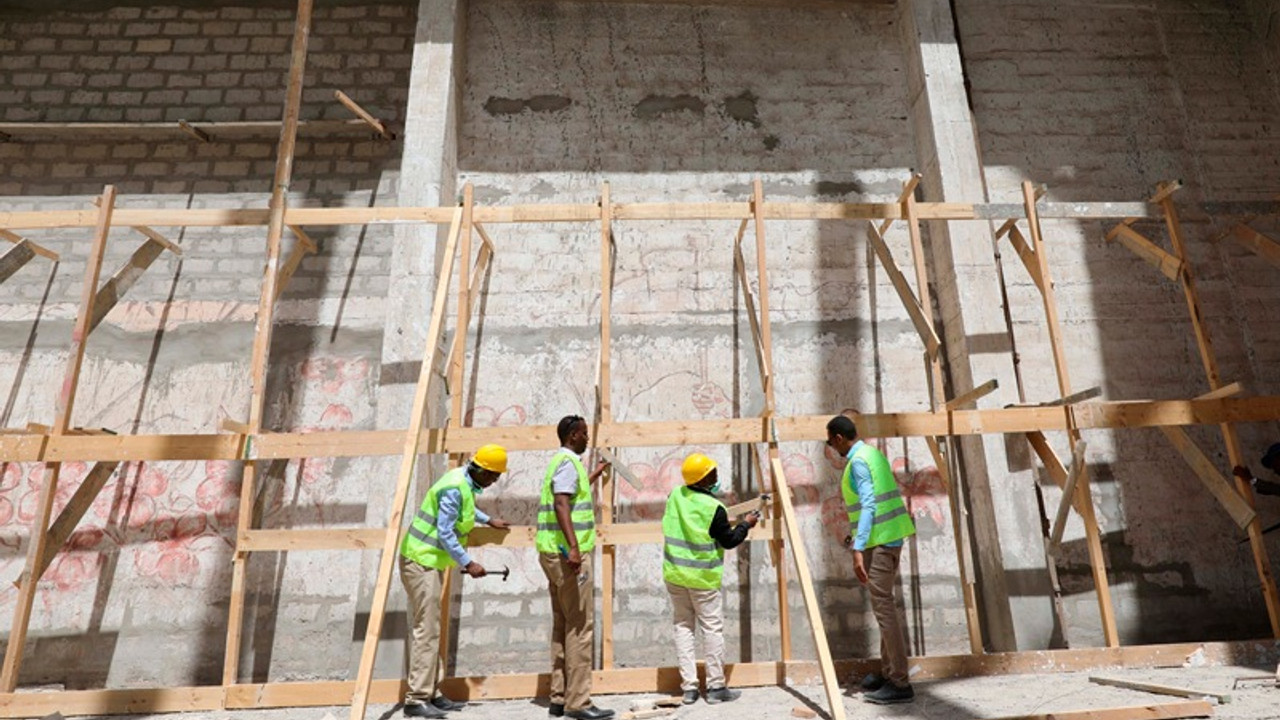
{"x":882,"y":580}
{"x":573,"y":613}
{"x":423,"y":584}
{"x":705,"y":610}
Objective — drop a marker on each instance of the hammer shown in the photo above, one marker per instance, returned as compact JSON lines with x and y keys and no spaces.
{"x":505,"y":572}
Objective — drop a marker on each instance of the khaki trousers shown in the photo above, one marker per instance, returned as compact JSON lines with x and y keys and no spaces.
{"x":573,"y":613}
{"x":423,"y":584}
{"x":882,"y":580}
{"x":703,"y":608}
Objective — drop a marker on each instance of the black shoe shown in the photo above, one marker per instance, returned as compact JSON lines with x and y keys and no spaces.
{"x":555,"y":709}
{"x":891,"y":694}
{"x":690,"y":697}
{"x":443,"y":703}
{"x":423,"y":710}
{"x":872,"y":682}
{"x":722,"y":695}
{"x":591,"y":712}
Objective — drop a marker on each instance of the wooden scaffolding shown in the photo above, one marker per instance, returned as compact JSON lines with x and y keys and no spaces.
{"x":948,"y":418}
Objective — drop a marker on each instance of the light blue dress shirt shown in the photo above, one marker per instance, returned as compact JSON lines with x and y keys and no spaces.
{"x":860,"y":482}
{"x":447,"y":520}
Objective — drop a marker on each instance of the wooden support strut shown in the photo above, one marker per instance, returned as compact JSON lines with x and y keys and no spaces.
{"x":277,"y":209}
{"x":36,"y":548}
{"x":1068,"y":497}
{"x":1235,"y":456}
{"x":15,"y":259}
{"x":408,"y":460}
{"x":373,"y":122}
{"x":34,"y":247}
{"x":915,"y":311}
{"x":1143,"y":247}
{"x":1265,"y":247}
{"x":1093,"y":537}
{"x":608,"y":498}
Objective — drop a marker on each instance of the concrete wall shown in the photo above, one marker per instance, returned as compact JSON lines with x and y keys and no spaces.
{"x":665,"y":102}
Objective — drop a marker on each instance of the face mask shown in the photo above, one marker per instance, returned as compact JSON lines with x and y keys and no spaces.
{"x":715,"y":488}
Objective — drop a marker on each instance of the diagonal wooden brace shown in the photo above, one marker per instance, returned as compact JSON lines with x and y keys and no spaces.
{"x":964,"y":399}
{"x":908,"y":189}
{"x":1213,"y":480}
{"x":908,"y":297}
{"x":304,"y":246}
{"x":80,"y":502}
{"x":1028,"y":256}
{"x":14,"y":260}
{"x":1167,"y":264}
{"x":34,"y":247}
{"x":749,"y":299}
{"x":125,"y":278}
{"x":373,"y":122}
{"x":1068,"y":495}
{"x":1265,"y":247}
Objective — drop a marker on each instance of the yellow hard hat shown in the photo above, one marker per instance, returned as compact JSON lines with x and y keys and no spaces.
{"x":492,"y":458}
{"x":696,"y":467}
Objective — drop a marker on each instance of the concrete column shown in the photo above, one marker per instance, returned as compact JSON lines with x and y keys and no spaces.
{"x":963,"y":268}
{"x":428,"y":176}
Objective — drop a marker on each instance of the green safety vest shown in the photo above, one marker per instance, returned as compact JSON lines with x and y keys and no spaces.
{"x":422,"y":543}
{"x":582,"y":511}
{"x":690,"y":557}
{"x":892,"y":520}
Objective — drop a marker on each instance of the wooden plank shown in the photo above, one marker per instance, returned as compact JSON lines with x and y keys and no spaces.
{"x":1237,"y":507}
{"x":1234,"y":388}
{"x":1221,"y":698}
{"x":311,"y":539}
{"x":125,"y":278}
{"x":762,"y":280}
{"x":604,"y":413}
{"x":835,"y":699}
{"x":749,"y":301}
{"x":1164,"y":193}
{"x":277,"y":208}
{"x":34,"y":247}
{"x":14,"y":260}
{"x":364,"y":115}
{"x":908,"y":192}
{"x":1046,"y":291}
{"x":194,"y":131}
{"x":1075,"y":397}
{"x":1265,"y":247}
{"x":914,"y":309}
{"x":458,"y":350}
{"x":62,"y":422}
{"x":1068,"y":494}
{"x":110,"y":702}
{"x":296,"y":253}
{"x":157,"y":237}
{"x":1029,"y":259}
{"x":1153,"y":254}
{"x":619,"y":467}
{"x":408,"y":461}
{"x":80,"y":502}
{"x":973,"y":395}
{"x":1262,"y":564}
{"x":1165,"y":711}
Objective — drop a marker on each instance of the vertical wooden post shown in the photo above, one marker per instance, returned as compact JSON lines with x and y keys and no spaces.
{"x":1093,"y":538}
{"x":1235,"y":455}
{"x":937,"y":398}
{"x":408,"y":460}
{"x":457,"y":385}
{"x":608,"y":486}
{"x":31,"y":572}
{"x":262,"y":332}
{"x":766,"y":352}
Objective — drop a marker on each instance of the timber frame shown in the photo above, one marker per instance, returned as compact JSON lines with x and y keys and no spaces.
{"x":947,"y":418}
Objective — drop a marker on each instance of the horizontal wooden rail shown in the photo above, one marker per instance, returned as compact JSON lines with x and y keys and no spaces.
{"x":26,"y":447}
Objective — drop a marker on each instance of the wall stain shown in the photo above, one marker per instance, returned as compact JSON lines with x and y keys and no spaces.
{"x":742,"y":108}
{"x":655,"y":106}
{"x":497,"y":106}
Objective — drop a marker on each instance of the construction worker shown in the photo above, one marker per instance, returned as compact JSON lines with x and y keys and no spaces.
{"x":1270,"y":461}
{"x":435,"y":543}
{"x":696,"y":532}
{"x":566,"y":536}
{"x":878,"y":522}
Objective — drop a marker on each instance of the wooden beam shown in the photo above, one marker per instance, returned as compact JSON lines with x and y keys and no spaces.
{"x":749,"y":301}
{"x":80,"y":502}
{"x":1075,"y":397}
{"x":1167,"y":264}
{"x":1068,"y":495}
{"x":1164,"y":192}
{"x":14,"y":260}
{"x":1220,"y":698}
{"x":1029,"y":259}
{"x":1215,"y":482}
{"x":1235,"y":456}
{"x":1165,"y":711}
{"x":157,"y":237}
{"x":914,"y":310}
{"x":408,"y":460}
{"x":276,"y":212}
{"x":762,"y":278}
{"x":835,"y":699}
{"x":619,"y":467}
{"x":61,"y":423}
{"x":604,"y":413}
{"x":908,"y":191}
{"x":289,"y":540}
{"x":125,"y":278}
{"x":373,"y":122}
{"x":968,"y":398}
{"x":1265,"y":247}
{"x":34,"y":247}
{"x":458,"y":351}
{"x":1234,"y":388}
{"x":194,"y":131}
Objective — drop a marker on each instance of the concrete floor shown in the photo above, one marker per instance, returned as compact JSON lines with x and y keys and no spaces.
{"x":968,"y":698}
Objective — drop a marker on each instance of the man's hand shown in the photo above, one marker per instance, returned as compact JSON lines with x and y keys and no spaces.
{"x":574,"y":560}
{"x":600,"y":468}
{"x":751,"y":519}
{"x":859,"y":568}
{"x":475,"y":570}
{"x":1242,"y":472}
{"x":499,"y":524}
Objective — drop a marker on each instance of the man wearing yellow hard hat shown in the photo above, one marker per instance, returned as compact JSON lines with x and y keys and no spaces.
{"x":435,"y":542}
{"x":696,"y":532}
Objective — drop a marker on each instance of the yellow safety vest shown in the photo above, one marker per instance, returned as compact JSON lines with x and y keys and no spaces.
{"x":892,"y":520}
{"x":582,"y":511}
{"x":690,"y":557}
{"x":422,"y":543}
